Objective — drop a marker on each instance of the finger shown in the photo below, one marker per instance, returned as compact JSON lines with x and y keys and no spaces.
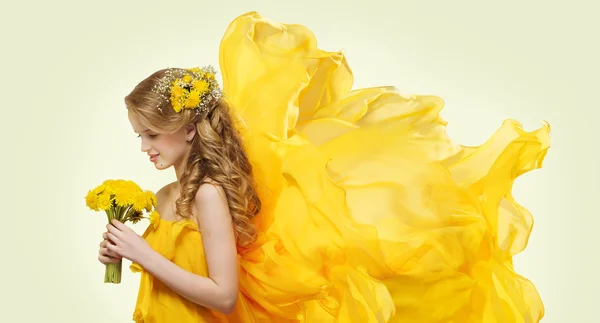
{"x":109,"y":254}
{"x":112,"y":238}
{"x":119,"y":225}
{"x":113,"y":248}
{"x":105,"y":260}
{"x":112,"y":229}
{"x":115,"y":251}
{"x":105,"y":255}
{"x":113,"y":255}
{"x":106,"y":240}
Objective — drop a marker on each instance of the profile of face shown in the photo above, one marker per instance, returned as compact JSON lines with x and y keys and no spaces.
{"x":163,"y":149}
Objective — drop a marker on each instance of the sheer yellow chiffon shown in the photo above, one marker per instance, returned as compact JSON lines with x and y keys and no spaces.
{"x":371,"y":213}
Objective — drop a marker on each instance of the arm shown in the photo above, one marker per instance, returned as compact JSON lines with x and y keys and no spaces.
{"x":219,"y":290}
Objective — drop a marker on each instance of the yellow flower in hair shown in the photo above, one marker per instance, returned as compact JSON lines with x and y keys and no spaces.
{"x":193,"y":99}
{"x":177,"y":91}
{"x":187,"y":79}
{"x":177,"y":106}
{"x":192,"y":88}
{"x":178,"y":94}
{"x":200,"y":86}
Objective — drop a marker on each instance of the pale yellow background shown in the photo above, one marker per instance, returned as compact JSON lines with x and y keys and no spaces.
{"x":66,"y":66}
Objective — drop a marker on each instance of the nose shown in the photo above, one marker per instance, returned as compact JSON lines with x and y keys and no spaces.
{"x":145,"y":146}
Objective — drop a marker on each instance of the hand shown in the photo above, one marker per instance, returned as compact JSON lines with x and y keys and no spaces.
{"x":127,"y":243}
{"x":106,"y":256}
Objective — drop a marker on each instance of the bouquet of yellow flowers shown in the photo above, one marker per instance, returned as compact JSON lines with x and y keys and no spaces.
{"x":124,"y":201}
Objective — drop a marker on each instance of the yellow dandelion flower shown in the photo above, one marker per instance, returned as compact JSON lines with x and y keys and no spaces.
{"x":187,"y":79}
{"x":154,"y":219}
{"x":150,"y":201}
{"x":99,"y":189}
{"x":91,"y":200}
{"x":139,"y":202}
{"x":194,"y":70}
{"x":105,"y":188}
{"x":193,"y":99}
{"x":109,"y":183}
{"x":114,"y":186}
{"x":104,"y":202}
{"x":210,"y":76}
{"x":123,"y":197}
{"x":131,"y":186}
{"x":177,"y":91}
{"x":177,"y":106}
{"x":200,"y":86}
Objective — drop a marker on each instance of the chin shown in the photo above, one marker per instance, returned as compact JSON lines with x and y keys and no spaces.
{"x":163,"y":167}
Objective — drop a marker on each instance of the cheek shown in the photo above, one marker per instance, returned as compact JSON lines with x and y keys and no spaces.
{"x":169,"y":145}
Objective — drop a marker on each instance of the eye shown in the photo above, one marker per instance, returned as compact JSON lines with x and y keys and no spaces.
{"x":150,"y":135}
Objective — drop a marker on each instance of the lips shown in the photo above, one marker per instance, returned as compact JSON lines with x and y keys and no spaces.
{"x":154,"y":157}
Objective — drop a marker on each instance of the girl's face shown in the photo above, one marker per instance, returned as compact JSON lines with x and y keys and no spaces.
{"x":163,"y":149}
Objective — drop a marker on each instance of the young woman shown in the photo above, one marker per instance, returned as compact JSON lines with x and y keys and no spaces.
{"x":298,"y":199}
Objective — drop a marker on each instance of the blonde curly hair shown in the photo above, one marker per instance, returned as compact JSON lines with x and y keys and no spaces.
{"x":217,"y":153}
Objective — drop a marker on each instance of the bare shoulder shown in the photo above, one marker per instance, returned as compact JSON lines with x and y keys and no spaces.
{"x":163,"y":194}
{"x":210,"y":190}
{"x":211,"y":205}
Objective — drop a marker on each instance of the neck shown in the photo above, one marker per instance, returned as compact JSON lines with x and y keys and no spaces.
{"x":179,"y":172}
{"x":180,"y":166}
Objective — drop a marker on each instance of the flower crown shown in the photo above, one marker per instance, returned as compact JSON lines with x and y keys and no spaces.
{"x":191,"y":88}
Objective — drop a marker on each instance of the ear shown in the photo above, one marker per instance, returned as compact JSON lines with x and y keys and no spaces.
{"x":190,"y":131}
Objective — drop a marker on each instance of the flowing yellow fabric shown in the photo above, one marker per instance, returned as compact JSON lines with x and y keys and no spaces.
{"x":371,"y":213}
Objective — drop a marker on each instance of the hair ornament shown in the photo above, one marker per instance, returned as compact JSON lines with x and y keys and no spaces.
{"x":191,"y":88}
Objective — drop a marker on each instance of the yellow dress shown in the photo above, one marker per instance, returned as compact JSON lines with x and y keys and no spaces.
{"x":371,"y":212}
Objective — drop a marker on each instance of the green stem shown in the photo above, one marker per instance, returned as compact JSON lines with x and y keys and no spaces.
{"x":109,"y":214}
{"x":123,"y":214}
{"x":119,"y":213}
{"x":112,"y":273}
{"x":128,"y":213}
